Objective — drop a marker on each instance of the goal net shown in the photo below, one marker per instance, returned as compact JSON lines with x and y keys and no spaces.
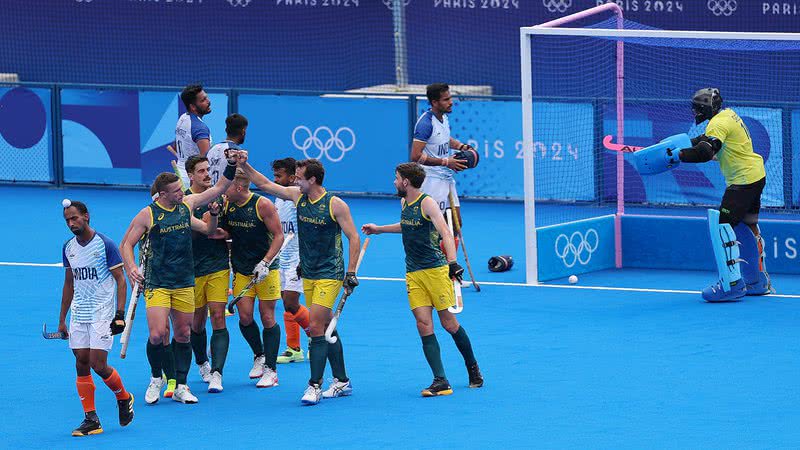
{"x":581,"y":86}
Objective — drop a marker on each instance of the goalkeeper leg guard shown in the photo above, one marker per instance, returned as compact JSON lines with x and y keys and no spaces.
{"x":730,"y":286}
{"x":754,"y":270}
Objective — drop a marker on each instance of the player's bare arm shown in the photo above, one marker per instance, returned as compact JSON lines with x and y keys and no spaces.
{"x":205,"y":197}
{"x":139,"y":226}
{"x":371,"y":228}
{"x":66,"y":300}
{"x":419,"y":156}
{"x":214,"y":232}
{"x":122,"y":287}
{"x":269,"y":215}
{"x":431,"y":209}
{"x":341,"y":212}
{"x":208,"y":228}
{"x":204,"y":145}
{"x":265,"y":184}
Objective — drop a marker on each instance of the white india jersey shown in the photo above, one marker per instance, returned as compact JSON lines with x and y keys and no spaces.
{"x":436,"y":136}
{"x":217,"y":160}
{"x":94,"y":298}
{"x":188,"y":131}
{"x":287,"y":212}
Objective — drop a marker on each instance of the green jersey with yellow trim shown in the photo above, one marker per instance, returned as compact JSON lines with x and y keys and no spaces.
{"x":420,"y":237}
{"x":210,"y":255}
{"x":320,"y":239}
{"x":170,"y":264}
{"x":250,"y":237}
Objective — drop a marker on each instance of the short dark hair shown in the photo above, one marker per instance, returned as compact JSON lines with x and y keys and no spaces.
{"x":287,"y":164}
{"x":189,"y":94}
{"x":79,"y":205}
{"x":235,"y":124}
{"x":412,"y":172}
{"x":161,"y":182}
{"x":241,"y":178}
{"x":193,"y":161}
{"x":434,"y":91}
{"x":313,"y":169}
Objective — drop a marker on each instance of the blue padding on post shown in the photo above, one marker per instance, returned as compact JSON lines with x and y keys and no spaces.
{"x":726,"y":250}
{"x":662,"y":156}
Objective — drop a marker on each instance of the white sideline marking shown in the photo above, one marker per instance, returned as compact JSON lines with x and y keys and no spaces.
{"x":490,"y":283}
{"x":26,"y":264}
{"x":592,"y":288}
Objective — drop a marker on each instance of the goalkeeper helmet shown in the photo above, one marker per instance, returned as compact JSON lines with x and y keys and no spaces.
{"x":500,"y":263}
{"x":706,"y":103}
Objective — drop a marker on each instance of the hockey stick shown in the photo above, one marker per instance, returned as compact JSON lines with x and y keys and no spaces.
{"x":252,"y":281}
{"x":53,"y":335}
{"x":172,"y":150}
{"x":137,"y":290}
{"x":459,"y":306}
{"x":457,"y":226}
{"x":619,"y":147}
{"x":332,"y":326}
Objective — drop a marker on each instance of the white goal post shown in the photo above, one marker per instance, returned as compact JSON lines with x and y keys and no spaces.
{"x":527,"y":77}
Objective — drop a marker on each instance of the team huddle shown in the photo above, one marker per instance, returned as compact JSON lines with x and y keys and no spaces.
{"x":205,"y":227}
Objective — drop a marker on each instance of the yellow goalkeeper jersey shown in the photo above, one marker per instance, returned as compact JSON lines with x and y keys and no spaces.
{"x":737,"y":160}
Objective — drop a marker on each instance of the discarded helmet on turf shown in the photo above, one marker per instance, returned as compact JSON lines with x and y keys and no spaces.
{"x":500,"y":263}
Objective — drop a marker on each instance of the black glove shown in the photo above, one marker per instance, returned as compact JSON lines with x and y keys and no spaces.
{"x":118,"y":324}
{"x":299,"y":272}
{"x":456,"y":271}
{"x":350,"y":282}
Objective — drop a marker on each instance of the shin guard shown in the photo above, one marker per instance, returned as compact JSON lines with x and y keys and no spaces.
{"x":754,"y":270}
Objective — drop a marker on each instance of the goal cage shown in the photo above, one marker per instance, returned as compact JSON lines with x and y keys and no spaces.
{"x":630,"y":84}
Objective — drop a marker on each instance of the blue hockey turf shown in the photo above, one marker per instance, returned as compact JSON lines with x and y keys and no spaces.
{"x":585,"y":366}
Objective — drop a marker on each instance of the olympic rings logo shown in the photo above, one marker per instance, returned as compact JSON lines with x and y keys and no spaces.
{"x":557,"y":5}
{"x":577,"y":248}
{"x":324,"y":140}
{"x":722,"y":7}
{"x":241,"y":3}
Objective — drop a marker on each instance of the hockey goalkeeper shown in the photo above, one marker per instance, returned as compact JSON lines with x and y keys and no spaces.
{"x":735,"y":236}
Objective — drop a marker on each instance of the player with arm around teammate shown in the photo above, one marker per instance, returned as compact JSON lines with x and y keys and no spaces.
{"x":93,"y":278}
{"x":735,"y":235}
{"x":211,"y":280}
{"x":321,"y":219}
{"x":295,"y":316}
{"x":169,"y":284}
{"x":192,"y":135}
{"x":429,"y":275}
{"x":256,"y":238}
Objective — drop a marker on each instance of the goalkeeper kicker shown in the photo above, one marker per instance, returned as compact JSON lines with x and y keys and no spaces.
{"x":735,"y":235}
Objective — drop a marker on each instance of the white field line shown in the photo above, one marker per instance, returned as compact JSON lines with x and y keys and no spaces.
{"x":26,"y":264}
{"x":591,"y":288}
{"x":489,"y":283}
